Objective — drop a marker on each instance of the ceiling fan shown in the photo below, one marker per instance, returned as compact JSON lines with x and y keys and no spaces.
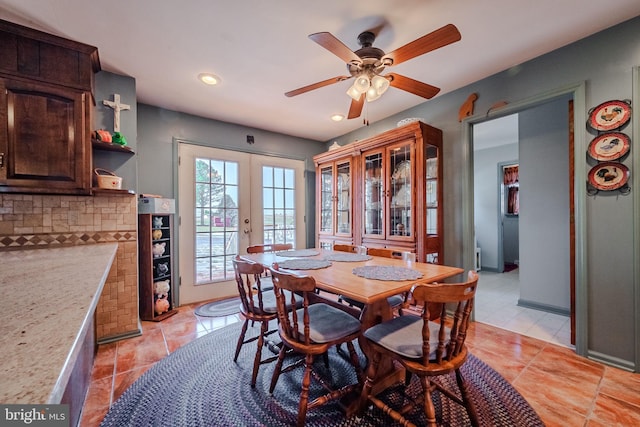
{"x":367,"y":64}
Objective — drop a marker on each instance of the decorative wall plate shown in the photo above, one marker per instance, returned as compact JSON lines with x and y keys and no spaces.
{"x":609,"y":146}
{"x":608,"y":176}
{"x":609,"y":115}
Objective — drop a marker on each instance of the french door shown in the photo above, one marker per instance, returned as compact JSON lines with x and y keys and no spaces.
{"x":229,"y":200}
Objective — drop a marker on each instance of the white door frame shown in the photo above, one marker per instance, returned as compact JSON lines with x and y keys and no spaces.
{"x":249,"y":208}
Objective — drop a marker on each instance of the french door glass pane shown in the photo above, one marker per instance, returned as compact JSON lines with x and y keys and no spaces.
{"x":278,"y":202}
{"x":216,"y":219}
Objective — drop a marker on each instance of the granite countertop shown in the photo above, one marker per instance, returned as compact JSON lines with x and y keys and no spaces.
{"x":48,"y":296}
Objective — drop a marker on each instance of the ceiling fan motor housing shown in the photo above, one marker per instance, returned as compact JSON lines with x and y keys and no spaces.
{"x":371,"y":57}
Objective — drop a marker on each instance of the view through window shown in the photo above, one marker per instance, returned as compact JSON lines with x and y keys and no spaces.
{"x":216,"y":219}
{"x":278,"y":198}
{"x":217,"y":216}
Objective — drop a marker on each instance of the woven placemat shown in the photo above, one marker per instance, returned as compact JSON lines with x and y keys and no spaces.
{"x":298,"y":252}
{"x":347,"y":257}
{"x":386,"y":273}
{"x":304,"y":264}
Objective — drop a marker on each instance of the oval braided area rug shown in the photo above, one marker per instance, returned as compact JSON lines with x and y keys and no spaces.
{"x":200,"y":385}
{"x":219,"y":308}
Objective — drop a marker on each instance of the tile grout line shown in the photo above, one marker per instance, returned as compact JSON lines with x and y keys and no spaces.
{"x":595,"y":397}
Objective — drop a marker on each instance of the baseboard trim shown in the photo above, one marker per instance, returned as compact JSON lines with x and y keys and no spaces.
{"x":119,"y":337}
{"x":612,"y":361}
{"x":544,"y":307}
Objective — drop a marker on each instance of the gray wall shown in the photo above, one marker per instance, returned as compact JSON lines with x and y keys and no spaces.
{"x":544,"y":206}
{"x":605,"y":63}
{"x":485,"y":183}
{"x":511,"y":239}
{"x":159,"y":127}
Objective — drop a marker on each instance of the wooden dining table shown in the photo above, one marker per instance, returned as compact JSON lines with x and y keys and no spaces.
{"x":339,"y":279}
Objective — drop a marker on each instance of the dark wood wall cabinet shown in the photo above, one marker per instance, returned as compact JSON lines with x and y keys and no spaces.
{"x":155,"y":269}
{"x":384,"y":191}
{"x":46,"y":104}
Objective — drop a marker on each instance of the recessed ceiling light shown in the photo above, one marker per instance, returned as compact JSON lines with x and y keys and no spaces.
{"x":209,"y":79}
{"x":337,"y":117}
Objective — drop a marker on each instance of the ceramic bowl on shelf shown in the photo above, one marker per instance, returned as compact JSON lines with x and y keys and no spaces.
{"x":410,"y":120}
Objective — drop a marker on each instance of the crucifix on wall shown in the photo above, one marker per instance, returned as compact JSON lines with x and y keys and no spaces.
{"x":117,"y":107}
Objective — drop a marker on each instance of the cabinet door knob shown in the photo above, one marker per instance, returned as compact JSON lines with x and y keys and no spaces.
{"x":1,"y":160}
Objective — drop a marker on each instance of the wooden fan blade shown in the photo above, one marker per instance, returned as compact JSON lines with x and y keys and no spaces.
{"x":417,"y":88}
{"x":317,"y":85}
{"x":356,"y":107}
{"x":432,"y":41}
{"x":335,"y":46}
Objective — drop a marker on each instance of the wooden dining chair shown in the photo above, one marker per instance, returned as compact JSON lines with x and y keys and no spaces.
{"x":256,"y":306}
{"x":396,"y":302}
{"x":426,"y":348}
{"x":310,"y":331}
{"x":392,"y":253}
{"x":354,"y":249}
{"x":271,"y":247}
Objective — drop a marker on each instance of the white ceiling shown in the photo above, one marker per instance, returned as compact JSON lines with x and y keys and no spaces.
{"x":260,"y":49}
{"x":496,"y":132}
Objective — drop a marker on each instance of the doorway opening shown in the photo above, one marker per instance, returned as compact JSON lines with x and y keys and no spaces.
{"x":523,"y":224}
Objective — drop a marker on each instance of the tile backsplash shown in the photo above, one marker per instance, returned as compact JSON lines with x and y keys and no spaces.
{"x":40,"y":221}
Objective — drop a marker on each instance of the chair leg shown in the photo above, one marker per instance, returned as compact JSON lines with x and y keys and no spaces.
{"x":468,"y":404}
{"x":278,"y":368}
{"x":407,"y":378}
{"x":372,"y":371}
{"x":241,"y":339}
{"x":355,"y":361}
{"x":325,"y":357}
{"x":304,"y":394}
{"x":429,"y":409}
{"x":258,"y":357}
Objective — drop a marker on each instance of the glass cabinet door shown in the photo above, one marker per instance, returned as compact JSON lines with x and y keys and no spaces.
{"x":373,"y":194}
{"x":400,"y":199}
{"x":431,"y":198}
{"x":326,"y":199}
{"x":343,"y":198}
{"x":335,"y":199}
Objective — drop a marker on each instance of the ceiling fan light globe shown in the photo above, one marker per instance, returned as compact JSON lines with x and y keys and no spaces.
{"x":362,"y":83}
{"x":380,"y":84}
{"x":372,"y":94}
{"x":354,"y":93}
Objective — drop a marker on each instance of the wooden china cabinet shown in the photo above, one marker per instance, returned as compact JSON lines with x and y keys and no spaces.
{"x":396,"y":189}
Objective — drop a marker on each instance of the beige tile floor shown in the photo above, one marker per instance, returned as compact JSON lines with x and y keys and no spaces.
{"x":565,"y":389}
{"x":497,"y":304}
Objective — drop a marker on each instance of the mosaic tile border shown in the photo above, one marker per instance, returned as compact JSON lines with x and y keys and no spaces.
{"x":44,"y":240}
